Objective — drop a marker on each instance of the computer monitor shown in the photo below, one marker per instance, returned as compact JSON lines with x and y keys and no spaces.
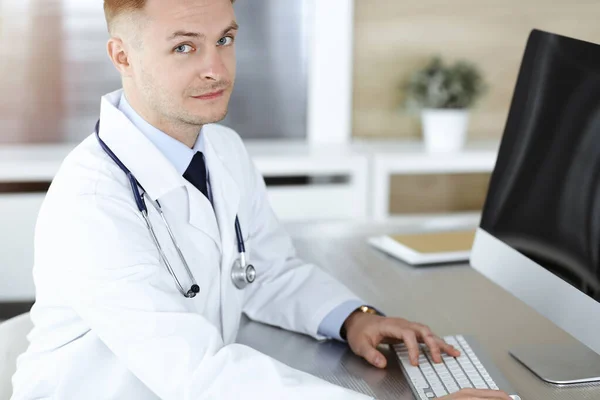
{"x":539,"y":236}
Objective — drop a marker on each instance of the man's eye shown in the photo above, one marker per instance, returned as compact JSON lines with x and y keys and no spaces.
{"x":184,"y":49}
{"x":225,"y":41}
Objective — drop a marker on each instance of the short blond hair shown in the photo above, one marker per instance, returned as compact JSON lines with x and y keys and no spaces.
{"x":115,"y":8}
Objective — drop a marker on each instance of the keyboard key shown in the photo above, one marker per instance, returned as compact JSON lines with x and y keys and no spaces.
{"x":420,"y":383}
{"x":439,"y":390}
{"x":465,"y":385}
{"x":421,"y":394}
{"x":452,"y":388}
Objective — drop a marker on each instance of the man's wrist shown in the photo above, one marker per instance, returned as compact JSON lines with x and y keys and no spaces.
{"x":362,"y":310}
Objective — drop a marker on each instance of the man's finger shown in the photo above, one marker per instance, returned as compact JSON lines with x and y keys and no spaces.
{"x":427,"y":337}
{"x":392,"y":331}
{"x":448,"y":348}
{"x":369,"y":352}
{"x":410,"y":340}
{"x":374,"y":357}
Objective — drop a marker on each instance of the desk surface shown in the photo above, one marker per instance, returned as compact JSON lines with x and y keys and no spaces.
{"x":450,"y":299}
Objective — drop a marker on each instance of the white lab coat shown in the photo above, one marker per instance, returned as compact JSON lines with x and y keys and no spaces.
{"x":109,"y":320}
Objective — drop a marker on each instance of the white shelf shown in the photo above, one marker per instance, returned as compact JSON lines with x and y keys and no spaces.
{"x":27,"y":163}
{"x":388,"y":158}
{"x":281,"y":158}
{"x":410,"y":157}
{"x":369,"y":164}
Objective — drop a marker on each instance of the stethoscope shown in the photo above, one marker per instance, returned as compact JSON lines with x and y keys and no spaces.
{"x":242,"y":273}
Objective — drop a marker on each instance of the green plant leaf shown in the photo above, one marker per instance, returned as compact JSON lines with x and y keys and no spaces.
{"x":438,"y":85}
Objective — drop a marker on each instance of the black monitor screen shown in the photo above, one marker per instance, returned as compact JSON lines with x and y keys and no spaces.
{"x":544,"y":196}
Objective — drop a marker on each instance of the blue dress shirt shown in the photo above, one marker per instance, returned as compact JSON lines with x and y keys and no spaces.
{"x":180,"y":156}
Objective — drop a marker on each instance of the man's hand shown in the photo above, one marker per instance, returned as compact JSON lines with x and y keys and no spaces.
{"x":365,"y":332}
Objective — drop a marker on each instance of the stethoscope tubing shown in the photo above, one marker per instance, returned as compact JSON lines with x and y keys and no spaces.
{"x":141,"y":205}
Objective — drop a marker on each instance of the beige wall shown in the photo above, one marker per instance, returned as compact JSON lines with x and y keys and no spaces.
{"x":395,"y":36}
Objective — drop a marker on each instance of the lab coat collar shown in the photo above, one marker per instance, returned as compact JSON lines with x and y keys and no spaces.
{"x":176,"y":152}
{"x":154,"y":172}
{"x":158,"y":176}
{"x":225,"y":196}
{"x":149,"y":166}
{"x":225,"y":190}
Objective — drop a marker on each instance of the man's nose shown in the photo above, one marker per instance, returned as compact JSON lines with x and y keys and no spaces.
{"x":213,"y":68}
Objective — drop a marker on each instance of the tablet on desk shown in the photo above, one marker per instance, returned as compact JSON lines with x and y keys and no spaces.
{"x":427,"y":248}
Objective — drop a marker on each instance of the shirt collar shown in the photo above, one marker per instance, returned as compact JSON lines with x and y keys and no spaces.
{"x":176,"y":152}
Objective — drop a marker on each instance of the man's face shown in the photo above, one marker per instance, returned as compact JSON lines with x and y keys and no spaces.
{"x":185,"y":69}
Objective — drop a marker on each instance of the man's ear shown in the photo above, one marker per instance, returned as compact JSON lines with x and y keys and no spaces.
{"x":119,"y":55}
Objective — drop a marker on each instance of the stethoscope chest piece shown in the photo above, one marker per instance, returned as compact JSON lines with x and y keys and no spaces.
{"x":242,"y":275}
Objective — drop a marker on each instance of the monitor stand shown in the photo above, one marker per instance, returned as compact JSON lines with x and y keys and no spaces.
{"x":560,"y":364}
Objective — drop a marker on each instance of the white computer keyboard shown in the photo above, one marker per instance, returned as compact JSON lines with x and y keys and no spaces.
{"x":430,"y":380}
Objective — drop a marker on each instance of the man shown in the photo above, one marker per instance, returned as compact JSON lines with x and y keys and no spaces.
{"x":112,"y":319}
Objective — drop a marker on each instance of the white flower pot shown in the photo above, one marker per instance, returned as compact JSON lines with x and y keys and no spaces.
{"x":444,"y":130}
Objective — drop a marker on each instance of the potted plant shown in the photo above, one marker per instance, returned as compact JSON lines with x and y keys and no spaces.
{"x":444,"y":94}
